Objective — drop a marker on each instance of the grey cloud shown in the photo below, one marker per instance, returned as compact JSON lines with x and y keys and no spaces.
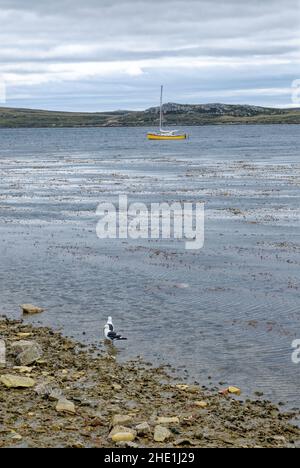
{"x":168,"y":40}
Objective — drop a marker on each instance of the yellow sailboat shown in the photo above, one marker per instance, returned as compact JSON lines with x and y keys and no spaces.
{"x":165,"y":134}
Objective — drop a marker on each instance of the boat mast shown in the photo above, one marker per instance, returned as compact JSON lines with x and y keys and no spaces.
{"x":161,"y":107}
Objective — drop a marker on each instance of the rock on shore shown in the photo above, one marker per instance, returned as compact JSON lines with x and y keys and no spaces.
{"x":14,"y":381}
{"x":30,"y":309}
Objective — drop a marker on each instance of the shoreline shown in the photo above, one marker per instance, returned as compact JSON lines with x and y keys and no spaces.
{"x":152,"y":126}
{"x":80,"y":397}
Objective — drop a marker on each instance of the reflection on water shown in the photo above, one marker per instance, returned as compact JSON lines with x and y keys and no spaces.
{"x":229,"y":311}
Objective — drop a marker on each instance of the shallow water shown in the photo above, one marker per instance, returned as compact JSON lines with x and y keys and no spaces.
{"x":229,"y":311}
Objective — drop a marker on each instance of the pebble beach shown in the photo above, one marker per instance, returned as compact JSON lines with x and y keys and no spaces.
{"x":57,"y":392}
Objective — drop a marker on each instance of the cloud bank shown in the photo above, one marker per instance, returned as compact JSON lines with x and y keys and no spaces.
{"x":106,"y":55}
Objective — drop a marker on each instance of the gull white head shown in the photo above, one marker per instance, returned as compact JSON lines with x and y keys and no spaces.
{"x":109,"y":320}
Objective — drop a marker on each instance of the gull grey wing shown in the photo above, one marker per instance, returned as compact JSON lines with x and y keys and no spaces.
{"x":114,"y":336}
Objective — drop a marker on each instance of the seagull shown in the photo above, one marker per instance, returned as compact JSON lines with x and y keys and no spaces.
{"x":109,"y":332}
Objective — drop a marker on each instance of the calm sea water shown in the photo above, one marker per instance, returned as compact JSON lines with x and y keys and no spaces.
{"x":229,"y":311}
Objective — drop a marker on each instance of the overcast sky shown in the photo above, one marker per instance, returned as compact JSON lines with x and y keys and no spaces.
{"x":94,"y":55}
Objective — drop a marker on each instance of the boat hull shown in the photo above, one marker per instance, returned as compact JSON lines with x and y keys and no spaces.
{"x":154,"y":136}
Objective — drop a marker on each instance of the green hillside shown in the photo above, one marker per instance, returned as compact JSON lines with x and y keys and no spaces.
{"x":174,"y":114}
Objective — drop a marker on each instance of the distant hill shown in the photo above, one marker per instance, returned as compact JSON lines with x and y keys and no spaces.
{"x":174,"y":114}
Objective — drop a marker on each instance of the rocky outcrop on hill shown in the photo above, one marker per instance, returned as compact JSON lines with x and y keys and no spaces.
{"x":216,"y":110}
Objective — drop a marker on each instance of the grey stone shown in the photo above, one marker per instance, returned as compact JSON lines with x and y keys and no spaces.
{"x":47,"y":390}
{"x":161,"y":434}
{"x":65,"y":406}
{"x":143,"y":429}
{"x":30,"y":355}
{"x":44,"y":389}
{"x":22,"y":345}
